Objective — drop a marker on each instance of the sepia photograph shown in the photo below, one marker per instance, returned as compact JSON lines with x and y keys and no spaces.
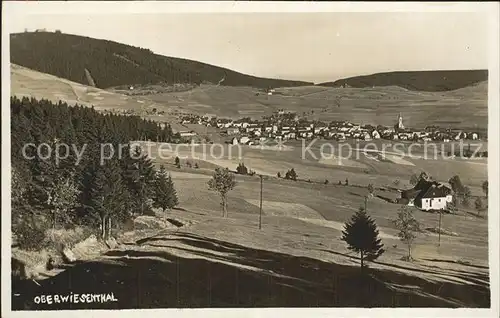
{"x":232,"y":155}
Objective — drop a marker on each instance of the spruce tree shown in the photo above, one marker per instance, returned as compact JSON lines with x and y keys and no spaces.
{"x":139,"y":176}
{"x":173,"y":200}
{"x":361,"y":236}
{"x":107,"y":195}
{"x":165,"y":196}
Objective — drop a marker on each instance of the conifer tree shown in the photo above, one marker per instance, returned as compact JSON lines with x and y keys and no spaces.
{"x":361,"y":236}
{"x":107,"y":195}
{"x":139,"y":177}
{"x":165,"y":196}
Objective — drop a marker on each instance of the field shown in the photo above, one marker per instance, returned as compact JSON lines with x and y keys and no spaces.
{"x":297,"y":258}
{"x":463,"y":108}
{"x":29,"y":83}
{"x":317,"y":163}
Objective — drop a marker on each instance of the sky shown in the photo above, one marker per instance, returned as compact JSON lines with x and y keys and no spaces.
{"x":314,"y":47}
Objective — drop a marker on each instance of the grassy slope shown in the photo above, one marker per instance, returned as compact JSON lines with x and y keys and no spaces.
{"x":114,"y":64}
{"x":229,"y":262}
{"x":417,"y":80}
{"x":462,"y":108}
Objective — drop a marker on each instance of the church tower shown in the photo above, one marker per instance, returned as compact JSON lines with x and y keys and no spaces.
{"x":400,"y":125}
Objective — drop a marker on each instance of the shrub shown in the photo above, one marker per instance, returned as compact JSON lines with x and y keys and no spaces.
{"x":30,"y":232}
{"x":291,"y":175}
{"x":241,"y":169}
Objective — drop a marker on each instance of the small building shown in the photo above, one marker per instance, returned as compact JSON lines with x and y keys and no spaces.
{"x":428,"y":195}
{"x":244,"y":140}
{"x":187,"y":133}
{"x":233,"y":130}
{"x":234,"y":141}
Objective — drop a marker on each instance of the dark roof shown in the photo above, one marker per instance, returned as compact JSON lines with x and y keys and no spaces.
{"x":426,"y":189}
{"x":436,"y":191}
{"x":410,"y":193}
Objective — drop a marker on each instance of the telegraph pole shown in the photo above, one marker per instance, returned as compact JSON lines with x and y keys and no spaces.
{"x":365,"y":203}
{"x":260,"y":213}
{"x":439,"y":229}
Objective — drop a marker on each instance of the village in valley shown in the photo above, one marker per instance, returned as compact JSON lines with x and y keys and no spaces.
{"x":284,"y":125}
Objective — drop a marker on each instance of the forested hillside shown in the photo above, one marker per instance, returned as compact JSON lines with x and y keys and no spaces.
{"x":432,"y":81}
{"x":63,"y":176}
{"x":113,"y":64}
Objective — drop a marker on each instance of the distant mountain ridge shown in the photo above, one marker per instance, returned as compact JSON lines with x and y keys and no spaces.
{"x":432,"y":81}
{"x":112,"y":64}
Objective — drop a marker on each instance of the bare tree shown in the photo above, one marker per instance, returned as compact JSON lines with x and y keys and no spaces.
{"x":371,"y":189}
{"x":222,"y":182}
{"x":408,"y":228}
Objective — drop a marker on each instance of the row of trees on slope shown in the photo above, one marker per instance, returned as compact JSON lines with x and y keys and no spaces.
{"x":80,"y":188}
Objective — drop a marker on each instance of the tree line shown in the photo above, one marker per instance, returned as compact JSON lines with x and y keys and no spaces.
{"x":81,"y":190}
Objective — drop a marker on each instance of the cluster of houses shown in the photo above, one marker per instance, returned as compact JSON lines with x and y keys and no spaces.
{"x":286,"y":125}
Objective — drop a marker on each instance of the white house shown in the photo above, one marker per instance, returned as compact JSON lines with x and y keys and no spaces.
{"x":244,"y":140}
{"x":428,"y":195}
{"x":187,"y":133}
{"x":375,"y":134}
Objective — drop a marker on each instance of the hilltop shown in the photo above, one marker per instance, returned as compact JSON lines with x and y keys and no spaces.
{"x":106,"y":64}
{"x":431,"y":81}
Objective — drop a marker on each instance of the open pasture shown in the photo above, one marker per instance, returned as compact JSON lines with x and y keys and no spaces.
{"x":360,"y":167}
{"x":29,"y":83}
{"x":465,"y":108}
{"x":329,"y":206}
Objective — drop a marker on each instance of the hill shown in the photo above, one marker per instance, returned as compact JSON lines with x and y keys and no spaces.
{"x":432,"y":81}
{"x":109,"y":64}
{"x":465,"y":108}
